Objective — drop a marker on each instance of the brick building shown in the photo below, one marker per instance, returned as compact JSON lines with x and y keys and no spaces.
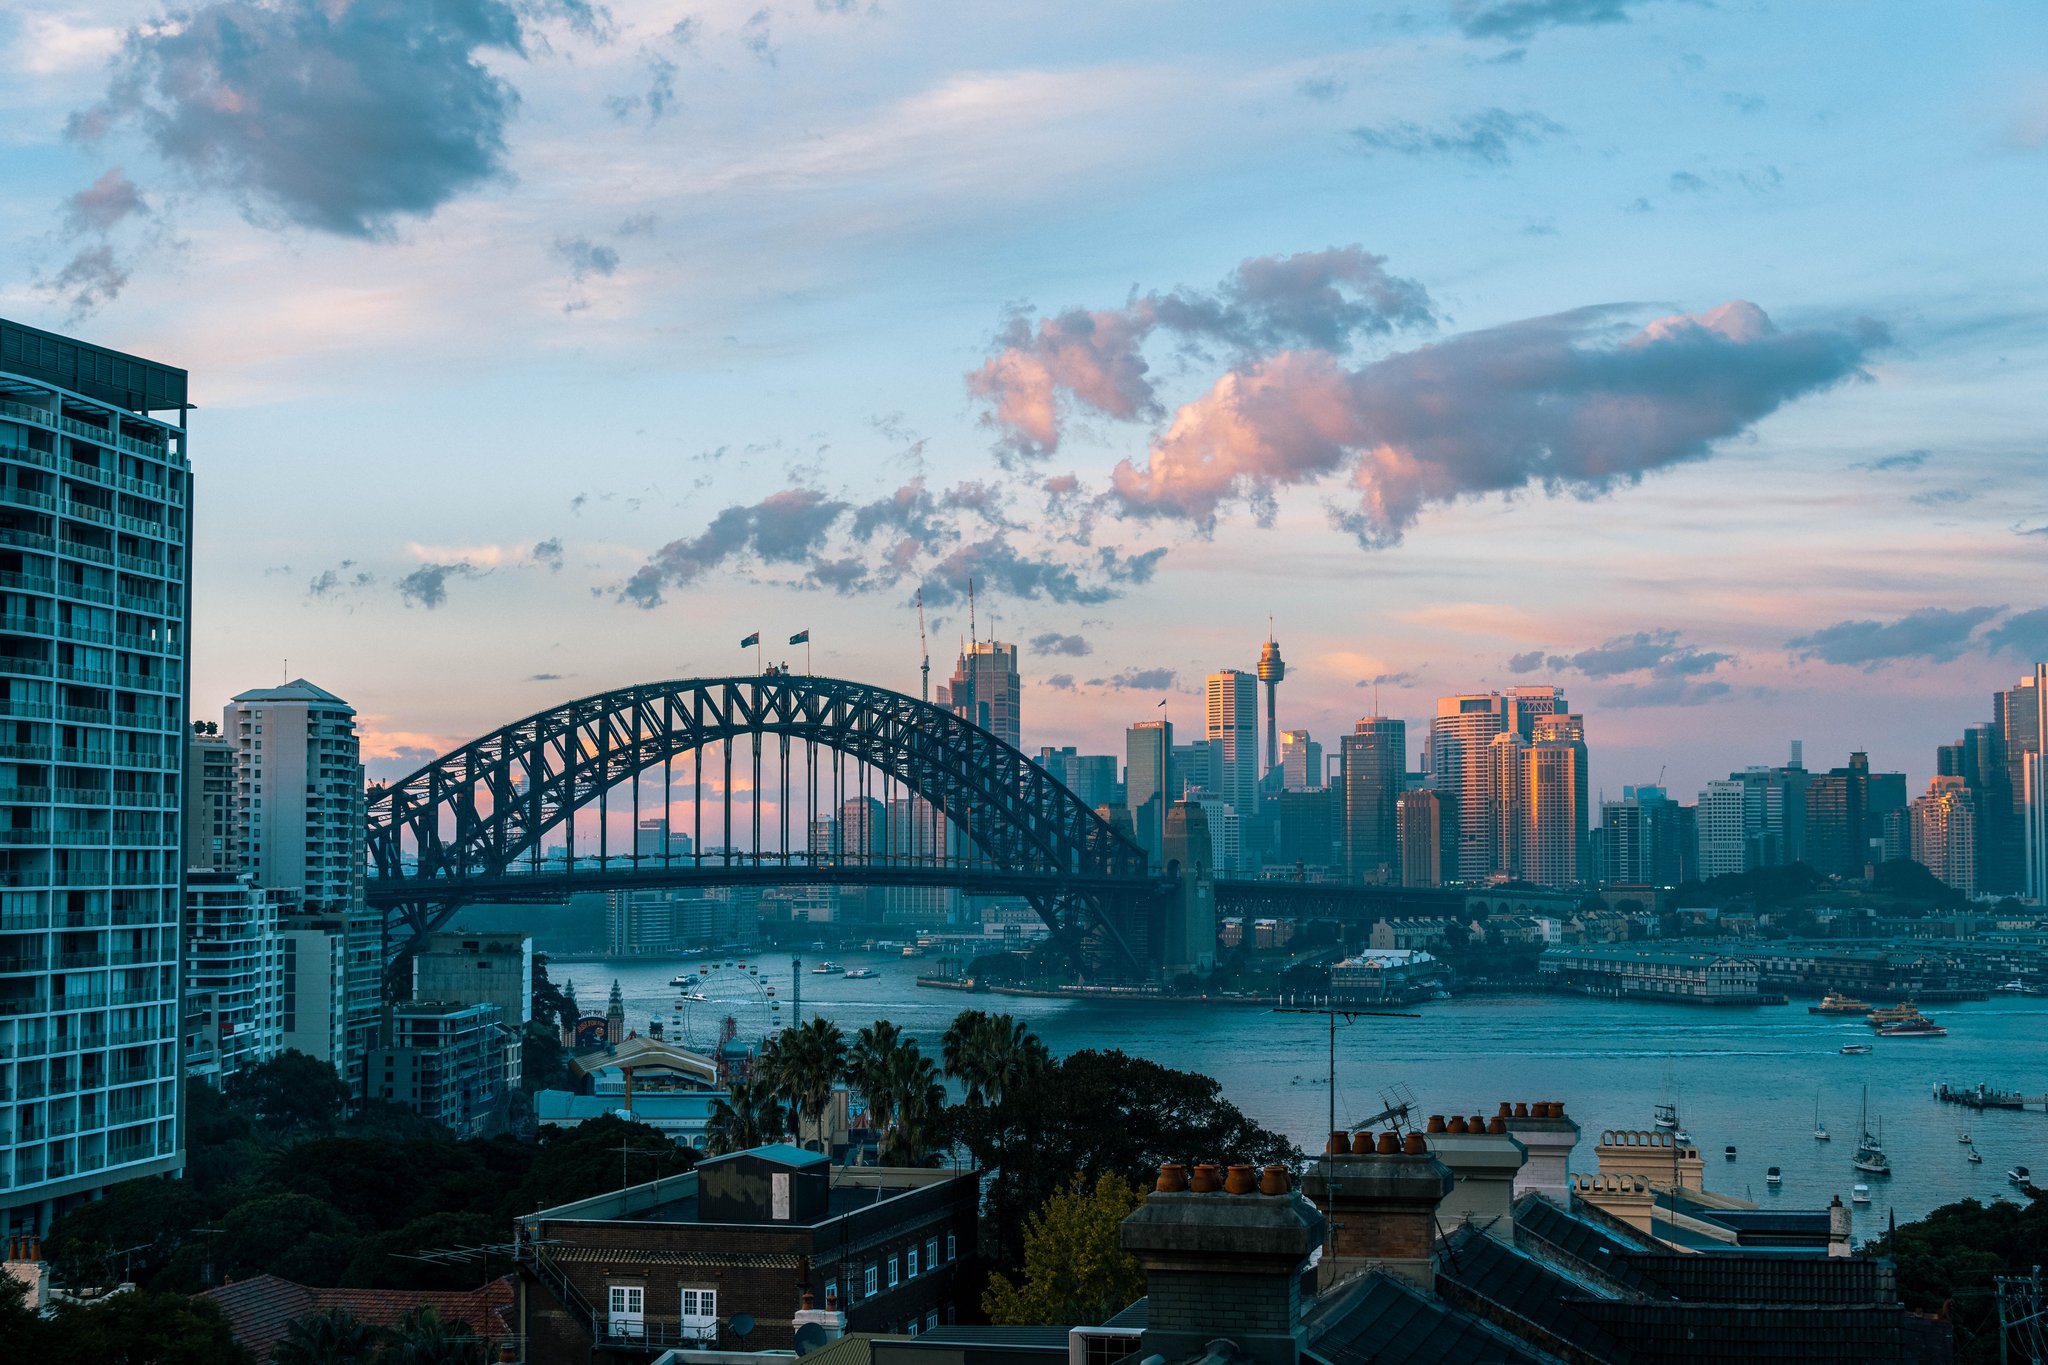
{"x":675,"y":1262}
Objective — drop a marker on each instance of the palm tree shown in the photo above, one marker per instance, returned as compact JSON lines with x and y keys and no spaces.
{"x":333,"y":1337}
{"x":422,"y":1338}
{"x":916,"y":1100}
{"x":961,"y":1047}
{"x":751,"y":1115}
{"x":802,"y":1063}
{"x":868,"y":1069}
{"x":991,"y":1055}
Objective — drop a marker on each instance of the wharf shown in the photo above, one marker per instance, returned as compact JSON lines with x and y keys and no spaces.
{"x":1979,"y":1097}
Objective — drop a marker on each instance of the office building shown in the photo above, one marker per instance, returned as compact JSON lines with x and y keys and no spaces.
{"x":2032,"y":781}
{"x":1553,"y":838}
{"x":1301,"y":760}
{"x":1461,"y":769}
{"x":1723,"y":846}
{"x":655,"y":842}
{"x":1091,"y":777}
{"x":2016,"y":718}
{"x":1309,"y":819}
{"x":1641,"y":843}
{"x":1507,"y":802}
{"x":1944,"y":832}
{"x":986,"y":690}
{"x":1148,"y":773}
{"x":1845,"y":813}
{"x":300,"y":828}
{"x":95,"y":538}
{"x":234,"y":975}
{"x":1232,"y":718}
{"x":1420,"y":816}
{"x":1375,"y":772}
{"x":454,"y":1064}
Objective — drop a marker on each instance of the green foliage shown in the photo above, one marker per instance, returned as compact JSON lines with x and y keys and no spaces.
{"x":576,"y":1163}
{"x":138,"y":1223}
{"x":141,"y":1328}
{"x":290,"y":1095}
{"x":423,"y":1338}
{"x":1911,"y":881}
{"x":543,"y":1061}
{"x":1075,"y":1269}
{"x":294,"y":1236}
{"x":802,"y":1063}
{"x":751,"y":1115}
{"x":333,"y":1337}
{"x":904,"y":1095}
{"x":1947,"y":1260}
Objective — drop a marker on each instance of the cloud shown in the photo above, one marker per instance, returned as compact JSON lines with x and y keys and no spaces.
{"x":786,"y":527}
{"x":1524,"y":18}
{"x":1321,"y":89}
{"x":427,"y":586}
{"x":91,"y":279}
{"x":1935,"y":633}
{"x":1686,"y":182}
{"x":103,"y":205}
{"x":2024,"y":633}
{"x":1138,"y":680}
{"x":544,"y":677}
{"x":1567,"y":403}
{"x":1526,"y":663}
{"x":755,"y":37}
{"x":1061,"y":682}
{"x":1094,"y":360}
{"x":1052,"y":642}
{"x":1905,"y":459}
{"x":660,"y":97}
{"x":1941,"y":497}
{"x":338,"y":117}
{"x":344,"y":577}
{"x":585,"y":257}
{"x":1489,"y":136}
{"x":1657,"y":652}
{"x":1386,"y":680}
{"x":548,"y":554}
{"x":1666,"y":692}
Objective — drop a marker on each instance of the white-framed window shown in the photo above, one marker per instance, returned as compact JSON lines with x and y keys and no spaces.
{"x":910,"y":1328}
{"x":910,"y":1265}
{"x":931,"y":1253}
{"x":931,"y":1321}
{"x":700,"y":1309}
{"x":627,"y":1304}
{"x":895,"y":1267}
{"x":950,"y":1253}
{"x":831,"y":1291}
{"x":870,"y":1289}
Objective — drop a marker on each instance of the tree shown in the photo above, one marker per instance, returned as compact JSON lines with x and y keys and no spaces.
{"x":917,"y":1103}
{"x":869,"y":1062}
{"x":139,"y":1328}
{"x":802,"y":1063}
{"x":423,"y":1338}
{"x":990,"y":1054}
{"x":333,"y":1337}
{"x":1947,"y":1260}
{"x":291,"y":1094}
{"x":576,"y":1163}
{"x":1075,"y":1269}
{"x":294,"y":1236}
{"x":748,"y":1116}
{"x":132,"y":1230}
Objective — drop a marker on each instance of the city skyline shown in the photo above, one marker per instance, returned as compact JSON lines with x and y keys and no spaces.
{"x":764,"y":295}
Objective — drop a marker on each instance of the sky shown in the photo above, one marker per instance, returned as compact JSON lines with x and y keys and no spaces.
{"x":1687,"y":356}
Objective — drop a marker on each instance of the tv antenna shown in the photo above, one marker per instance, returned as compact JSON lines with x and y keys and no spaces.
{"x":1333,"y":1014}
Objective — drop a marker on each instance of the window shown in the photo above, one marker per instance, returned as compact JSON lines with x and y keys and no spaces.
{"x":626,"y":1302}
{"x":831,"y":1291}
{"x":870,"y":1289}
{"x":950,"y":1253}
{"x":910,"y":1270}
{"x":931,"y":1321}
{"x":893,"y":1275}
{"x":700,"y":1312}
{"x":931,"y":1254}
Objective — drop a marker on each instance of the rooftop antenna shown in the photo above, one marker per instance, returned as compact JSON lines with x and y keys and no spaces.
{"x":924,"y":668}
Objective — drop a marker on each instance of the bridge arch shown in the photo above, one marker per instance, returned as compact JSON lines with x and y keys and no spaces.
{"x":445,"y":833}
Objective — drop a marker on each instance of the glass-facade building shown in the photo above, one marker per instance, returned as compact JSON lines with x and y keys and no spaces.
{"x":95,"y":601}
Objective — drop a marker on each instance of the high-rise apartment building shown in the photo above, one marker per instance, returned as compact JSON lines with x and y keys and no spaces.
{"x":95,"y":605}
{"x":1148,"y":781}
{"x":210,"y":802}
{"x":2016,"y":717}
{"x":1565,"y":729}
{"x":1944,"y":824}
{"x":234,"y":975}
{"x":1461,"y":767}
{"x":986,"y":690}
{"x":2033,"y":785}
{"x":1301,"y":760}
{"x":1641,"y":843}
{"x":1422,"y":838}
{"x":1507,"y":801}
{"x":1554,"y":832}
{"x":1233,"y":733}
{"x":1375,"y":774}
{"x":299,"y":828}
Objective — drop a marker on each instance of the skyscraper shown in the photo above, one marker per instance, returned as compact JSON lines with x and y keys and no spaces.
{"x":1507,"y":801}
{"x":1233,"y":720}
{"x":986,"y":691}
{"x":95,"y":544}
{"x":1554,"y":832}
{"x":1301,"y":760}
{"x":1642,"y":839}
{"x":1272,"y":668}
{"x":1148,"y":780}
{"x":1375,"y":772}
{"x":1945,"y":832}
{"x":1460,"y":761}
{"x":2016,"y":718}
{"x":2034,"y":791}
{"x":1566,"y":729}
{"x":1722,"y":846}
{"x":210,"y":802}
{"x":1422,"y":838}
{"x":299,"y":828}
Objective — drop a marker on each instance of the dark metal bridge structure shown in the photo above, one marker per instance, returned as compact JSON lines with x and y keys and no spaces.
{"x":924,"y":799}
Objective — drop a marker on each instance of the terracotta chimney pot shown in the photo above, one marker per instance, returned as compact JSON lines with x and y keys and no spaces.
{"x":1361,"y":1143}
{"x":1173,"y":1177}
{"x":1522,"y":1111}
{"x":1240,"y":1181}
{"x":1207,"y":1179}
{"x":1476,"y":1124}
{"x":1415,"y":1146}
{"x":1274,"y":1181}
{"x":1340,"y":1143}
{"x":1497,"y":1125}
{"x":1390,"y":1144}
{"x":1456,"y":1125}
{"x":1435,"y":1124}
{"x":1507,"y":1111}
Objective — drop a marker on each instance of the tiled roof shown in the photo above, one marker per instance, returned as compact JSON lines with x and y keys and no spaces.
{"x":1383,"y":1320}
{"x":261,"y":1308}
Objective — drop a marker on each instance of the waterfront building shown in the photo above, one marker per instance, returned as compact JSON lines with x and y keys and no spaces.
{"x":1419,"y":815}
{"x":1148,"y":780}
{"x":678,"y":1261}
{"x":1301,"y":760}
{"x":1700,"y":976}
{"x":95,"y":543}
{"x":1388,"y":976}
{"x":650,"y":1080}
{"x":1640,"y":844}
{"x":1375,"y":771}
{"x":300,"y":827}
{"x":1232,"y":718}
{"x":1460,"y":764}
{"x":451,"y":1063}
{"x":986,"y":690}
{"x":234,"y":975}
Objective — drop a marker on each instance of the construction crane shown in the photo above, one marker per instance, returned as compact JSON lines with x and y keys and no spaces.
{"x":924,"y":668}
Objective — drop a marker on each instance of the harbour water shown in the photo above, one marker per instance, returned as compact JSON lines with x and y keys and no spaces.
{"x":1747,"y":1077}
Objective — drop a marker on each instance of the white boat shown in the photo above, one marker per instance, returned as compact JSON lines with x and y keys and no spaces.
{"x":1772,"y":1177}
{"x":1976,"y":1158}
{"x":1855,"y":1049}
{"x":859,"y":973}
{"x":2019,"y":1175}
{"x":825,"y":969}
{"x":1666,"y":1116}
{"x":1820,"y":1132}
{"x":1859,"y":1194}
{"x":1870,"y":1150}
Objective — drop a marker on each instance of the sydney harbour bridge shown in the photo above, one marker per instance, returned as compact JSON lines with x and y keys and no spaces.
{"x":745,"y":766}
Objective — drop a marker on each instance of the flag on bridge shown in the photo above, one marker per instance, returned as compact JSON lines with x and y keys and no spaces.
{"x":751,"y":640}
{"x":802,"y":637}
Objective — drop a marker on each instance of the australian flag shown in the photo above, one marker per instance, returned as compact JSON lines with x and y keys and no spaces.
{"x":802,"y":637}
{"x":751,"y":640}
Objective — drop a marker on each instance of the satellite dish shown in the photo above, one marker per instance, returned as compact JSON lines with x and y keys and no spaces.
{"x":809,"y":1338}
{"x":740,"y":1325}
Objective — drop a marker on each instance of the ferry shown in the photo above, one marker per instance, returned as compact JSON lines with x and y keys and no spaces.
{"x":1859,"y":1194}
{"x":2017,"y":987}
{"x":825,"y":969}
{"x":1892,"y":1014}
{"x":1837,"y":1003}
{"x":1773,"y":1178}
{"x":1914,"y":1024}
{"x":683,"y":982}
{"x":1855,"y":1049}
{"x":859,"y":973}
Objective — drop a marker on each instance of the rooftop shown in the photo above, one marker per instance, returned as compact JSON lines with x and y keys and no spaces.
{"x":259,"y":1309}
{"x":298,"y":689}
{"x":96,"y":372}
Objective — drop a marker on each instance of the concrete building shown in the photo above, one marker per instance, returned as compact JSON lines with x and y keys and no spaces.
{"x":676,"y":1262}
{"x":1419,"y":814}
{"x":1723,"y":847}
{"x":1232,"y":719}
{"x":300,"y":828}
{"x":1553,"y":841}
{"x":317,"y":971}
{"x":1189,"y":941}
{"x":1700,"y":976}
{"x":447,"y":1062}
{"x":1641,"y":843}
{"x":1944,"y":824}
{"x":234,"y":975}
{"x":1301,"y":760}
{"x":477,"y":969}
{"x":95,"y":610}
{"x":1461,"y":769}
{"x":210,"y":829}
{"x":1148,"y":780}
{"x":1388,"y":976}
{"x":1309,"y":819}
{"x":1375,"y":773}
{"x":1092,"y":777}
{"x":985,"y":690}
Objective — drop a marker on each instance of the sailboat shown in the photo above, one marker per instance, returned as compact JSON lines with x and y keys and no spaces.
{"x":1976,"y":1158}
{"x":1820,"y":1132}
{"x":1870,"y":1149}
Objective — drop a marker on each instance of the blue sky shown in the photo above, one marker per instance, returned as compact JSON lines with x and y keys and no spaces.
{"x":1686,"y":355}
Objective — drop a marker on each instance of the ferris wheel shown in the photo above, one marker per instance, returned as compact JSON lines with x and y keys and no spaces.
{"x":728,"y":1002}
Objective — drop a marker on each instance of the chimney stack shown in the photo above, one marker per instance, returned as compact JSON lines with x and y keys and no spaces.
{"x":1485,"y":1161}
{"x":1381,"y":1200}
{"x":1547,"y":1137}
{"x":1840,"y":1241}
{"x":1223,"y":1264}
